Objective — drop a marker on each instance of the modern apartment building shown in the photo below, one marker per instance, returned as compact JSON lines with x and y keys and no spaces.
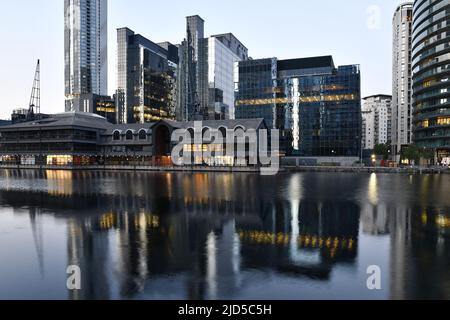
{"x":206,"y":79}
{"x":85,"y":50}
{"x":402,"y":112}
{"x":146,"y":78}
{"x":376,"y":121}
{"x":315,"y":105}
{"x":431,"y":75}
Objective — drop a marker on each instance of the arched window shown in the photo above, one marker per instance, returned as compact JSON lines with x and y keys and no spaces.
{"x":116,"y":136}
{"x":142,"y":135}
{"x":129,"y":135}
{"x":223,"y":132}
{"x":191,"y":134}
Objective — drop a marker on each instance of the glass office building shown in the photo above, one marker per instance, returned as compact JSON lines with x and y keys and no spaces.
{"x":85,"y":50}
{"x":431,"y":75}
{"x":206,"y":67}
{"x":223,"y":52}
{"x":316,"y":106}
{"x":147,"y":75}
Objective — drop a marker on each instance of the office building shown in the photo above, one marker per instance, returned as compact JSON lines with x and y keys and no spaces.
{"x":85,"y":50}
{"x":207,"y":67}
{"x":316,"y":106}
{"x":431,"y":75}
{"x":223,"y":52}
{"x":402,"y":113}
{"x":101,"y":105}
{"x":146,"y":78}
{"x":376,"y":121}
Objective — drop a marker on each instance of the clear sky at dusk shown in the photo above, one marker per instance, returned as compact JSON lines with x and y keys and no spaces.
{"x":353,"y":31}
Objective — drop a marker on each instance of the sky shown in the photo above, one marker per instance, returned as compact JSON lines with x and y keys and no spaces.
{"x":352,"y":31}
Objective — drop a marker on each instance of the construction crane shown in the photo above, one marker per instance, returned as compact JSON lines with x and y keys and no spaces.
{"x":34,"y":110}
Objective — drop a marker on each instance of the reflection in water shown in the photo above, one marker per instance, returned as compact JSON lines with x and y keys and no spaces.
{"x":373,"y":189}
{"x":212,"y":236}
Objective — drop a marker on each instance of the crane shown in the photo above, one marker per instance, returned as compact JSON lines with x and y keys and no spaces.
{"x":34,"y":110}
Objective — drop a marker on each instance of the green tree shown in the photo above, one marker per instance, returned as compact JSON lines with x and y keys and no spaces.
{"x":411,"y":153}
{"x":382,"y":150}
{"x":427,"y":154}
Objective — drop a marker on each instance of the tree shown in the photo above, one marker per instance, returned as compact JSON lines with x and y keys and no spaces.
{"x":382,"y":150}
{"x":427,"y":154}
{"x":410,"y":153}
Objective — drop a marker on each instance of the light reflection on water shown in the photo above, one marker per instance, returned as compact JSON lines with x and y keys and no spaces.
{"x":223,"y":236}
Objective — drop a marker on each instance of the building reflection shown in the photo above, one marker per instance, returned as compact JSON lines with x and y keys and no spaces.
{"x":419,"y":236}
{"x":197,"y":236}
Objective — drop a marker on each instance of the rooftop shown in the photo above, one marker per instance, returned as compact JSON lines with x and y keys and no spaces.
{"x":75,"y":118}
{"x":306,"y":63}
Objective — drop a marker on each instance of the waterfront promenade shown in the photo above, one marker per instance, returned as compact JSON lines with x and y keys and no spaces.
{"x":344,"y":169}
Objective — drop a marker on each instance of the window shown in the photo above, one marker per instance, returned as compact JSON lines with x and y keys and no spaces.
{"x":142,"y":135}
{"x":116,"y":136}
{"x":129,"y":135}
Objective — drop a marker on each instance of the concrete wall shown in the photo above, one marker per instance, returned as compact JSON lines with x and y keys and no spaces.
{"x":320,"y":161}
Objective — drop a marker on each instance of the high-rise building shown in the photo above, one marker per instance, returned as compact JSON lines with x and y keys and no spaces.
{"x":146,"y":78}
{"x":376,"y":121}
{"x":223,"y":52}
{"x":86,"y":50}
{"x":316,"y":106}
{"x":206,"y":79}
{"x":431,"y":75}
{"x":195,"y":83}
{"x":402,"y":113}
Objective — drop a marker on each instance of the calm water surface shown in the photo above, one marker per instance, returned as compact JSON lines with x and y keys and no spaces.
{"x":223,"y":236}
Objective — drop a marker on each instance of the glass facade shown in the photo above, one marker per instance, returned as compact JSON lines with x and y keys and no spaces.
{"x":316,"y":106}
{"x":223,"y":52}
{"x":255,"y":90}
{"x":207,"y":64}
{"x":86,"y":49}
{"x":147,"y":75}
{"x":431,"y":75}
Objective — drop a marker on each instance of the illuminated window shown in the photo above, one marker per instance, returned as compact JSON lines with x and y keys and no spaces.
{"x":59,"y":160}
{"x":443,"y":121}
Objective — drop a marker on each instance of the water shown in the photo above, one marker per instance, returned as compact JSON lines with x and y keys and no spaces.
{"x":223,"y":236}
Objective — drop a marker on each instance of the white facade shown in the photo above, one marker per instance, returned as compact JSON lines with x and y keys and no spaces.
{"x":376,"y":114}
{"x":221,"y":61}
{"x":86,"y":49}
{"x":401,"y":76}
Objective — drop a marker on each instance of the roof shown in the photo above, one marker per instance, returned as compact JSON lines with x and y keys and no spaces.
{"x":306,"y":63}
{"x":216,"y":124}
{"x":136,"y":127}
{"x":378,"y":96}
{"x":196,"y":16}
{"x":75,"y":119}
